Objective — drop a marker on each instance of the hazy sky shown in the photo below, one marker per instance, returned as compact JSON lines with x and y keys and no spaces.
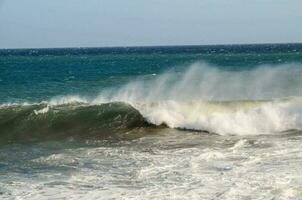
{"x":96,"y":23}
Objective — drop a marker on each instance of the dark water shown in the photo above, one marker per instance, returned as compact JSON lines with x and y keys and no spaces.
{"x":187,"y":122}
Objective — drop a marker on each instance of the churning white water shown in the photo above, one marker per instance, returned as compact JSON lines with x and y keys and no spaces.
{"x":169,"y":165}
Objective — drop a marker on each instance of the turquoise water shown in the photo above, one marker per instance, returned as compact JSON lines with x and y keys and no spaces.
{"x":187,"y":122}
{"x":37,"y":75}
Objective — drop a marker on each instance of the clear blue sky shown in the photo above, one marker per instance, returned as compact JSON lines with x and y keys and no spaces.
{"x":97,"y":23}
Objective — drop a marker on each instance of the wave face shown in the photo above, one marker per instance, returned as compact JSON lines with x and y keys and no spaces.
{"x":44,"y":121}
{"x":263,"y":100}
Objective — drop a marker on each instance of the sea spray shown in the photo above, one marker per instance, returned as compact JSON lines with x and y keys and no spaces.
{"x":204,"y":97}
{"x":201,"y":81}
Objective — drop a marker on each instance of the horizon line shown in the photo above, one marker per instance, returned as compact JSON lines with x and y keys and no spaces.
{"x":154,"y":46}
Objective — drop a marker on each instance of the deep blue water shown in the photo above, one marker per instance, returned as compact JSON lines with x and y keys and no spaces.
{"x":33,"y":75}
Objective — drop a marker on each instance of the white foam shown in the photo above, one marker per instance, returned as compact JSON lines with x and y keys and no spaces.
{"x":69,"y":99}
{"x":184,"y":100}
{"x":163,"y":166}
{"x":42,"y":111}
{"x":225,"y":118}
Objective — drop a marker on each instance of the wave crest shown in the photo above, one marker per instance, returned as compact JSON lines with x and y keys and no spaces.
{"x":227,"y":118}
{"x":203,"y":98}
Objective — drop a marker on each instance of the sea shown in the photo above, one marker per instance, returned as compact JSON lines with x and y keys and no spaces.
{"x":166,"y":122}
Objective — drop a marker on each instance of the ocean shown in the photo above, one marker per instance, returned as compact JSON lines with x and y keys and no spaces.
{"x":175,"y":122}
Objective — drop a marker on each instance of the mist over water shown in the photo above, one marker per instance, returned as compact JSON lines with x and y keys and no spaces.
{"x":263,"y":100}
{"x":201,"y":81}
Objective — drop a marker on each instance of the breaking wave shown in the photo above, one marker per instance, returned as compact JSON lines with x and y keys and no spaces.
{"x":44,"y":121}
{"x":263,"y":100}
{"x":228,"y":117}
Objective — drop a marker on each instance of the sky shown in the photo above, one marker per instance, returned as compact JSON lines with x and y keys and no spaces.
{"x":101,"y":23}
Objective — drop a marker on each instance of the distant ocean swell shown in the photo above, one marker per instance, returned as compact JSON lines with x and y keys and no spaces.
{"x":264,"y":100}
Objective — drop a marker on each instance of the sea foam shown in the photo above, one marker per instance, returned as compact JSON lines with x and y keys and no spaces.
{"x":204,"y":97}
